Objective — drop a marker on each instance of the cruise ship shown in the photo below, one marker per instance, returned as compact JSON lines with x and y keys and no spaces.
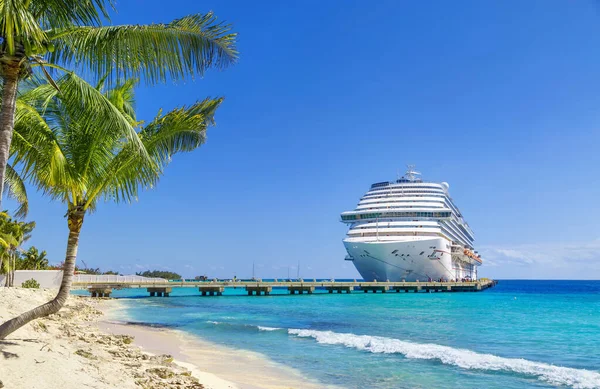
{"x":410,"y":230}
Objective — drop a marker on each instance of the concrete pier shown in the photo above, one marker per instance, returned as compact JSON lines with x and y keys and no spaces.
{"x":339,"y":289}
{"x":100,"y":292}
{"x":211,"y":290}
{"x":159,"y":292}
{"x":374,"y":288}
{"x":301,"y":289}
{"x":258,"y":289}
{"x":406,"y":288}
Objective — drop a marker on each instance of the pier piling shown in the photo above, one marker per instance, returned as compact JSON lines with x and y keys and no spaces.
{"x":301,"y":289}
{"x":374,"y":288}
{"x":159,"y":291}
{"x":100,"y":291}
{"x":211,"y":290}
{"x":259,"y":289}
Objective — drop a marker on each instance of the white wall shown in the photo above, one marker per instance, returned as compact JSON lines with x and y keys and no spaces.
{"x":46,"y":278}
{"x":108,"y":278}
{"x":53,"y":278}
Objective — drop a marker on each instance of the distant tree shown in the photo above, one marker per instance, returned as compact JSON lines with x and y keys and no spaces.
{"x":88,"y":270}
{"x":32,"y":259}
{"x":13,"y":233}
{"x":160,"y":274}
{"x":111,"y":272}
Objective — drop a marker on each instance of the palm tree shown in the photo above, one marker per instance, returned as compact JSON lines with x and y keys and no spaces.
{"x":82,"y":145}
{"x":33,"y":259}
{"x":44,"y":34}
{"x":7,"y":240}
{"x":13,"y":233}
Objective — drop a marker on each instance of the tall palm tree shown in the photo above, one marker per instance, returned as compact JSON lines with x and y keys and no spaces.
{"x":46,"y":33}
{"x":82,"y":145}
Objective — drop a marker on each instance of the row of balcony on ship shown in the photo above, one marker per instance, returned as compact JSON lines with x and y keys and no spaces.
{"x":393,"y":227}
{"x":450,"y":227}
{"x":361,"y":215}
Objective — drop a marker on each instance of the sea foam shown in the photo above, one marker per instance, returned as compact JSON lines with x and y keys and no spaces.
{"x":466,"y":359}
{"x":262,"y":328}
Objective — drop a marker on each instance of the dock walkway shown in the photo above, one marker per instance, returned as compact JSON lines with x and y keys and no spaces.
{"x":103,"y":288}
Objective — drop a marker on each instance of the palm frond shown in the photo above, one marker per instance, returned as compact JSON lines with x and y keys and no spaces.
{"x":126,"y":174}
{"x":186,"y":46}
{"x":35,"y":146}
{"x":122,"y":96}
{"x":7,"y":240}
{"x":17,"y":23}
{"x":66,"y":141}
{"x":181,"y":130}
{"x":16,"y":190}
{"x":91,"y":118}
{"x":65,"y":13}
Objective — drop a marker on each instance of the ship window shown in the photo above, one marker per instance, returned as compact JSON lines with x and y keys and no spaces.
{"x":422,"y":252}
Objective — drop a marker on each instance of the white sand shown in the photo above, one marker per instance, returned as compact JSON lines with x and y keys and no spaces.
{"x":81,"y":348}
{"x":67,"y":351}
{"x":246,"y":369}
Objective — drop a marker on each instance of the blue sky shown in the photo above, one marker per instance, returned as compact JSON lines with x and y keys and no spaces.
{"x":499,"y":98}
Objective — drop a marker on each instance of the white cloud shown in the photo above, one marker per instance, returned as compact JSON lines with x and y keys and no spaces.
{"x":543,"y":260}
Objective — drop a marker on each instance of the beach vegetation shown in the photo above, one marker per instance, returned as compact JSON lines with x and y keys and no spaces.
{"x":160,"y":274}
{"x":85,"y":354}
{"x":39,"y":37}
{"x":13,"y":233}
{"x":31,"y":283}
{"x":94,"y":271}
{"x":84,"y":144}
{"x":32,"y":259}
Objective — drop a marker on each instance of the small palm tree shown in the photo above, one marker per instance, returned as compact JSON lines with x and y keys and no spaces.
{"x":82,"y":145}
{"x":43,"y":34}
{"x":33,"y":259}
{"x":7,"y":241}
{"x":13,"y":233}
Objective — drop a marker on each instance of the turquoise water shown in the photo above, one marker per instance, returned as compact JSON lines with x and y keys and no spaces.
{"x":520,"y":334}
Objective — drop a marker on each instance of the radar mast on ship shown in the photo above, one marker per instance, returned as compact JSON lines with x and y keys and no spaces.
{"x":411,"y":174}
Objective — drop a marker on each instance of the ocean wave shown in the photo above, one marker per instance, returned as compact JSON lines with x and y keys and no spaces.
{"x":243,"y":327}
{"x":466,"y":359}
{"x":262,"y":328}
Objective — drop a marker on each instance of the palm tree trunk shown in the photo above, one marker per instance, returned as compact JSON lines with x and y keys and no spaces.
{"x":75,"y":220}
{"x":7,"y":268}
{"x":10,"y":72}
{"x":13,"y":268}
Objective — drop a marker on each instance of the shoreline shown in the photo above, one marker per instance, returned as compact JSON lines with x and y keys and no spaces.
{"x":83,"y":347}
{"x":204,"y":358}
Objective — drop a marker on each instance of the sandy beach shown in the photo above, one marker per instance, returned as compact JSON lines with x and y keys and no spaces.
{"x":83,"y":347}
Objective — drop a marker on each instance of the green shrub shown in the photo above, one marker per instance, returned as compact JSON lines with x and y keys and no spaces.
{"x":33,"y":284}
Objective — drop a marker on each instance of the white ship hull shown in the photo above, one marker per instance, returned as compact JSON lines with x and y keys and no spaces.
{"x":409,"y":260}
